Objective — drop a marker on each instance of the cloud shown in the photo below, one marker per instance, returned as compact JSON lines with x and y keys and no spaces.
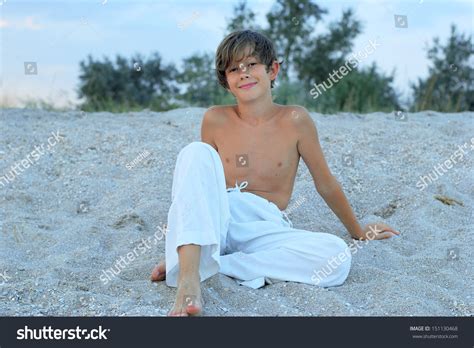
{"x":28,"y":23}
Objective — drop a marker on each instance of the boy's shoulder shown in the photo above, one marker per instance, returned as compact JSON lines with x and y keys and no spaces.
{"x":218,"y":113}
{"x":296,"y":110}
{"x":296,"y":116}
{"x":293,"y":119}
{"x":295,"y":113}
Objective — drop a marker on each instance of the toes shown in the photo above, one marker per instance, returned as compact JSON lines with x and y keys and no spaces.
{"x":177,"y":314}
{"x":193,"y":310}
{"x":186,"y":310}
{"x":158,"y":273}
{"x":192,"y":305}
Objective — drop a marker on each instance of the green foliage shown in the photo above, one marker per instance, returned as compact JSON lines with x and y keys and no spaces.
{"x":314,"y":57}
{"x":363,"y":90}
{"x":309,"y":58}
{"x":199,"y":79}
{"x":290,"y":23}
{"x":244,"y":18}
{"x":127,"y":85}
{"x":291,"y":93}
{"x":450,"y":84}
{"x":42,"y":104}
{"x":328,"y":51}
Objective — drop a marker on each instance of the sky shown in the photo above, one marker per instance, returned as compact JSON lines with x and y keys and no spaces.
{"x":42,"y":42}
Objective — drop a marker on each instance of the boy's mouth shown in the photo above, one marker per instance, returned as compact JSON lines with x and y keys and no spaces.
{"x":248,"y":85}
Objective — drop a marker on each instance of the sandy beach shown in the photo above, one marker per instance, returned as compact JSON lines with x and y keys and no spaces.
{"x":71,"y":210}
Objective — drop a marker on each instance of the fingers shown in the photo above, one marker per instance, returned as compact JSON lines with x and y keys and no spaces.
{"x":389,"y":229}
{"x":386,"y":227}
{"x":383,"y":231}
{"x":385,"y":235}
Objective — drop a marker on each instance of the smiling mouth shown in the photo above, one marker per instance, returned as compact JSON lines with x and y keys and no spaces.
{"x":248,"y":86}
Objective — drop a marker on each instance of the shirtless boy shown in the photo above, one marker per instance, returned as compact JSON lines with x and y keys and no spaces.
{"x":267,"y":140}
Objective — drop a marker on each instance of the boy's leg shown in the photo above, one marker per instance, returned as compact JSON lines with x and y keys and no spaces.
{"x":198,"y":220}
{"x":294,"y":255}
{"x":188,"y":297}
{"x":265,"y":246}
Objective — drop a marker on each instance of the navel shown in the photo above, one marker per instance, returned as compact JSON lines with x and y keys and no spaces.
{"x":279,"y":164}
{"x":227,"y":160}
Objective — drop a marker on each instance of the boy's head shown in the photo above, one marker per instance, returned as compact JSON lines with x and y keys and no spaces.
{"x":244,"y":57}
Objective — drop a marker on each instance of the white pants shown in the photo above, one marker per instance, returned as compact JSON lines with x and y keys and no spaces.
{"x":242,"y":235}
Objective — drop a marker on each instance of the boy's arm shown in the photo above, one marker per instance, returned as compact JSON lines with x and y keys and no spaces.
{"x":208,"y":126}
{"x":326,"y":184}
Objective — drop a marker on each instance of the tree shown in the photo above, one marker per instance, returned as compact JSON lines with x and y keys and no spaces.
{"x":362,"y":90}
{"x":200,"y":82}
{"x":134,"y":83}
{"x":289,"y":23}
{"x":244,"y":18}
{"x":450,"y":82}
{"x":309,"y":58}
{"x":328,"y":51}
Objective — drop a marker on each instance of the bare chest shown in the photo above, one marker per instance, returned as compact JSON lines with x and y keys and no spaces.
{"x":266,"y":158}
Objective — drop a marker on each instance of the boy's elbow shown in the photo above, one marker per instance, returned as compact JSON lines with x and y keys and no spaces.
{"x":327,"y":186}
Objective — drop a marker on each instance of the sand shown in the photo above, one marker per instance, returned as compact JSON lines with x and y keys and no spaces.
{"x":106,"y":185}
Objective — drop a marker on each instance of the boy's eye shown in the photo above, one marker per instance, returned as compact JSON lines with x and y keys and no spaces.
{"x":242,"y":66}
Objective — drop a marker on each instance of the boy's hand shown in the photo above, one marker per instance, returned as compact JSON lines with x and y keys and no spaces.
{"x":377,"y":231}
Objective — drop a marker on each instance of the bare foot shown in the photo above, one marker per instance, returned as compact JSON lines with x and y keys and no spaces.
{"x":188,"y":298}
{"x":159,"y":272}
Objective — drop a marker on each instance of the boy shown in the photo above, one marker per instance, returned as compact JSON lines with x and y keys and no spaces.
{"x":215,"y":227}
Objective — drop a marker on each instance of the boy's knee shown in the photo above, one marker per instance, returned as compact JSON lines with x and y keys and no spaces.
{"x":344,"y":259}
{"x":336,"y":268}
{"x":335,"y":248}
{"x":342,"y":252}
{"x":195,"y":147}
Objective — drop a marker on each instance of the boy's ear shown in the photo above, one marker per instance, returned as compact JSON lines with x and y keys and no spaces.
{"x":274,"y":70}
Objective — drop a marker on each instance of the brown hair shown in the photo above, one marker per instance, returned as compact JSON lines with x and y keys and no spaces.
{"x":240,"y":44}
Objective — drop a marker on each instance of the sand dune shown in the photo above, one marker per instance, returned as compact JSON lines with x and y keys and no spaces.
{"x":105,"y":186}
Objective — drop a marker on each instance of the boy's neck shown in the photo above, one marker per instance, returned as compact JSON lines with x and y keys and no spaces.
{"x":257,"y":111}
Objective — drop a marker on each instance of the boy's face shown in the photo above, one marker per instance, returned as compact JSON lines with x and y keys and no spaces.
{"x":248,"y":79}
